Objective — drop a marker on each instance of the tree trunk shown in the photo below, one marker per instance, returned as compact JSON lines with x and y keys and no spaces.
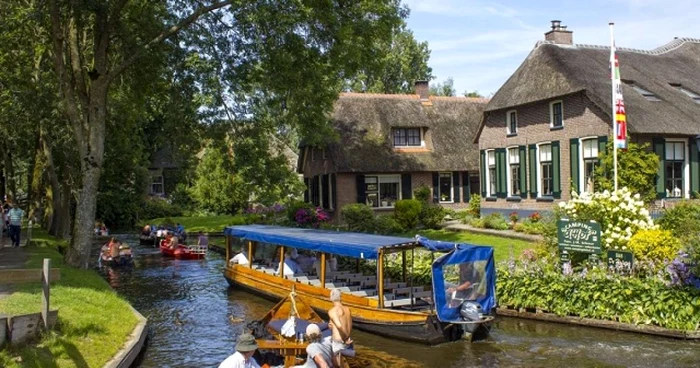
{"x":36,"y":181}
{"x":63,"y":211}
{"x":10,"y":175}
{"x":53,"y":194}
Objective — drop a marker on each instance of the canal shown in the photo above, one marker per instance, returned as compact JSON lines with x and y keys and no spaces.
{"x":195,"y":318}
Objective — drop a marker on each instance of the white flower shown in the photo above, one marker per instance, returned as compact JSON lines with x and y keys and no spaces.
{"x":624,"y":247}
{"x":562,"y":204}
{"x":608,"y":240}
{"x":637,"y":196}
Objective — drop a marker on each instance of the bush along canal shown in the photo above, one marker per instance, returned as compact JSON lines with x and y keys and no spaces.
{"x":195,"y":319}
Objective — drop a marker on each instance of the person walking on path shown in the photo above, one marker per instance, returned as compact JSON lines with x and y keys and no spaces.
{"x":15,"y":216}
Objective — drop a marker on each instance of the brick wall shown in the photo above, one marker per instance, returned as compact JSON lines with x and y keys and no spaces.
{"x":581,"y":119}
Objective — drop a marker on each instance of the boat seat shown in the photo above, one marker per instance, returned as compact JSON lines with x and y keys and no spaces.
{"x":387,"y":296}
{"x":347,"y":276}
{"x":407,"y":290}
{"x":394,"y":285}
{"x":300,"y":327}
{"x":348,"y":289}
{"x":367,"y":283}
{"x":364,"y":292}
{"x":402,"y":302}
{"x":423,"y":294}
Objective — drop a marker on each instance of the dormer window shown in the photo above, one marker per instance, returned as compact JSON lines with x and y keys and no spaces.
{"x":407,"y":137}
{"x":649,"y":96}
{"x":512,"y":122}
{"x":694,"y":96}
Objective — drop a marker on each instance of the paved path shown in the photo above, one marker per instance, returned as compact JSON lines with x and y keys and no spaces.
{"x":11,"y":257}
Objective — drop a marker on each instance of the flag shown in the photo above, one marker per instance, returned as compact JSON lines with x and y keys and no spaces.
{"x":619,"y":114}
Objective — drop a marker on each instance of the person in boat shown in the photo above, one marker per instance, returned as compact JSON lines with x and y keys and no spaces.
{"x":146,"y":230}
{"x":114,"y":248}
{"x":243,"y":357}
{"x":174,"y":241}
{"x":318,"y":353}
{"x":341,"y":326}
{"x":180,"y":231}
{"x":202,"y":240}
{"x":241,"y":258}
{"x":469,"y":276}
{"x":291,"y":267}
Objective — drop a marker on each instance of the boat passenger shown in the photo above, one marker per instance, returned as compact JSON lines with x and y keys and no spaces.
{"x":113,"y":248}
{"x":243,"y":357}
{"x":318,"y":353}
{"x":174,"y":241}
{"x":291,"y":267}
{"x":469,"y":276}
{"x":240,"y":258}
{"x":202,"y":240}
{"x":341,"y":326}
{"x":146,"y":230}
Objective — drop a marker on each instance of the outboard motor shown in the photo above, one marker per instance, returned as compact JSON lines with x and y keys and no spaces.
{"x":471,"y":311}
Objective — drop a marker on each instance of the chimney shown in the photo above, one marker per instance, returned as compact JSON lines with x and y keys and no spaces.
{"x":559,"y":34}
{"x":423,"y":89}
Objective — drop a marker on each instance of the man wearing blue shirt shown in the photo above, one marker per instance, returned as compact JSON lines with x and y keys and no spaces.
{"x":15,"y":216}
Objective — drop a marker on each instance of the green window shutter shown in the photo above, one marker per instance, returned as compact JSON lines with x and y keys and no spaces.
{"x":575,"y":170}
{"x":501,"y":182}
{"x":483,"y":174}
{"x":361,"y":194}
{"x":334,"y":193}
{"x":466,"y":192}
{"x":556,"y":166}
{"x":455,"y":186}
{"x":694,"y":166}
{"x":306,"y":190}
{"x":660,"y":148}
{"x":406,"y":188}
{"x":602,"y":144}
{"x":522,"y":174}
{"x":436,"y":187}
{"x":325,"y":196}
{"x":532,"y":163}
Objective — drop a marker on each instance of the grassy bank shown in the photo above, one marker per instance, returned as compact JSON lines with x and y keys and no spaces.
{"x":502,"y":246}
{"x":210,"y":224}
{"x":93,"y":322}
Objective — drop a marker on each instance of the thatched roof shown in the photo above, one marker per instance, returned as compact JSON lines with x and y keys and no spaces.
{"x":364,"y":122}
{"x":553,"y":70}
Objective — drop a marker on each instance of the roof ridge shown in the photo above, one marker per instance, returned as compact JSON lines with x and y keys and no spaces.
{"x":670,"y":46}
{"x":459,"y":98}
{"x":385,"y":95}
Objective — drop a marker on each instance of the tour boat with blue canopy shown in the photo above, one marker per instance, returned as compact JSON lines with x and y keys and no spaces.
{"x":454,"y":302}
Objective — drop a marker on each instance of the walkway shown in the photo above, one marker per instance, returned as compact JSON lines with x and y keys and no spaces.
{"x":11,"y":257}
{"x":456,"y":226}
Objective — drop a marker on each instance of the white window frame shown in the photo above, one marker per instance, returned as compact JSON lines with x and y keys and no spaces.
{"x":162,"y":185}
{"x":686,"y":166}
{"x":551,"y":114}
{"x":452,"y":187}
{"x":582,"y":162}
{"x":508,"y":122}
{"x":486,"y":167}
{"x":379,"y":193}
{"x":509,"y":175}
{"x":692,"y":95}
{"x":539,"y":170}
{"x":422,"y":137}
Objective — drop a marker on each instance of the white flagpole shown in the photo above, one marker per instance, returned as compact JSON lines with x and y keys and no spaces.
{"x":612,"y":82}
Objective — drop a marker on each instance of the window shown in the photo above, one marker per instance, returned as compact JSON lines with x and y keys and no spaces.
{"x":546,"y":170}
{"x":688,"y":93}
{"x":491,"y":177}
{"x":556,"y":113}
{"x":157,"y":185}
{"x":512,"y":122}
{"x":674,"y":166}
{"x":649,"y":96}
{"x":382,"y":190}
{"x":407,"y":137}
{"x":445,"y":186}
{"x":513,"y":172}
{"x":323,"y":153}
{"x":590,"y":162}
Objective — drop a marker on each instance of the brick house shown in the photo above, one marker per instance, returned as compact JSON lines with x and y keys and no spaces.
{"x":542,"y":131}
{"x":389,"y":145}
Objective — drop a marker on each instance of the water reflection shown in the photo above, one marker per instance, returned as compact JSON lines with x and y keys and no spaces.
{"x":195,"y":318}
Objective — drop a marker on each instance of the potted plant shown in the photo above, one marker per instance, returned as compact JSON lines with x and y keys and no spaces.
{"x":385,"y":202}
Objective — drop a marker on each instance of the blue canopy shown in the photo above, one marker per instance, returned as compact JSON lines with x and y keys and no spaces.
{"x":349,"y":244}
{"x":458,"y":254}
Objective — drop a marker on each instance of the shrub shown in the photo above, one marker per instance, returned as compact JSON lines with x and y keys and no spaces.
{"x":406,"y":213}
{"x":654,"y":245}
{"x":495,"y":221}
{"x":311,"y":217}
{"x":620,"y":214}
{"x":294,"y":207}
{"x":514,"y":217}
{"x":535,"y":217}
{"x":529,"y":227}
{"x":475,"y":205}
{"x":682,"y":219}
{"x":431,"y":216}
{"x":157,"y":208}
{"x":387,"y":225}
{"x":422,"y":194}
{"x":358,"y":216}
{"x":637,"y":170}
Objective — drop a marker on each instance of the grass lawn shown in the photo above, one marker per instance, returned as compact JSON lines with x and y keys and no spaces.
{"x":93,"y":322}
{"x":501,"y":245}
{"x":208,"y":224}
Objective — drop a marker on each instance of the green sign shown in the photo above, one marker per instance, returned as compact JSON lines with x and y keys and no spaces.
{"x":577,"y":236}
{"x":622,"y":261}
{"x":564,"y":257}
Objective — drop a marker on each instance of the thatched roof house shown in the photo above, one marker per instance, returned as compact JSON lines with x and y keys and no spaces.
{"x":556,"y":109}
{"x":390,"y":145}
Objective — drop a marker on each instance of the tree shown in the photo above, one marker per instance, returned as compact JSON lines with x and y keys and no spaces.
{"x":216,"y":189}
{"x":473,"y":94}
{"x":636,"y":169}
{"x":398,"y":65}
{"x":295,"y":52}
{"x":445,"y":88}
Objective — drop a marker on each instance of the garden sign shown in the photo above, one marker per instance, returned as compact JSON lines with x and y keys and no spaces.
{"x":578,"y":236}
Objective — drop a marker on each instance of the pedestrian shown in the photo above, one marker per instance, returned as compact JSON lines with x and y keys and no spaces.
{"x":243,"y":357}
{"x":2,"y":227}
{"x":15,"y":216}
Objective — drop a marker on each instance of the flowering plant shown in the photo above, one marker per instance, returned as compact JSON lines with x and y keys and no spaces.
{"x":313,"y":217}
{"x":535,"y":217}
{"x":620,"y":214}
{"x":514,"y":217}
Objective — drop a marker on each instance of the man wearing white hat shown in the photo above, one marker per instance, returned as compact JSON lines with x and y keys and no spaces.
{"x":318,"y":354}
{"x":243,"y":357}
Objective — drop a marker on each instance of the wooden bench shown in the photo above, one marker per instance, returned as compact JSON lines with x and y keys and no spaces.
{"x":387,"y":296}
{"x":348,"y":289}
{"x":365,"y":293}
{"x":394,"y":285}
{"x":407,"y":290}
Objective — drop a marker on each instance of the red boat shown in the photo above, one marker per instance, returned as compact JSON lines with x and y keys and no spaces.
{"x":183,"y":251}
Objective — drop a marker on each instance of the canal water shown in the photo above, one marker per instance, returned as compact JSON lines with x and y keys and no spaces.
{"x":195,"y":318}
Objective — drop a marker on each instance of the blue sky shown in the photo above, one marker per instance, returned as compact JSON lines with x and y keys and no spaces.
{"x":480,"y":43}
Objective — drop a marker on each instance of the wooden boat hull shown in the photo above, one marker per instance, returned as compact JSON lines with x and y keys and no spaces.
{"x":418,"y":327}
{"x":147,"y":240}
{"x":181,"y":252}
{"x":117,"y":262}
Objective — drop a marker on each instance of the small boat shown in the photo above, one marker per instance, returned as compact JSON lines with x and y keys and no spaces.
{"x":283,"y":348}
{"x":149,"y":239}
{"x":183,"y":251}
{"x":448,"y":309}
{"x":125,"y":258}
